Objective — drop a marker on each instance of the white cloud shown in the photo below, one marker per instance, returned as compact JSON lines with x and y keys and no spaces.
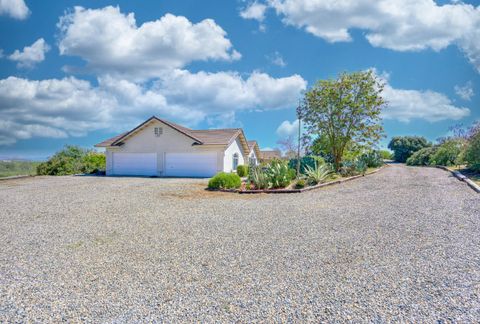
{"x":59,"y":108}
{"x":405,"y":105}
{"x":30,"y":55}
{"x":399,"y":25}
{"x":14,"y":8}
{"x":287,"y":128}
{"x":465,"y":92}
{"x":112,"y":43}
{"x":255,"y":11}
{"x":277,"y":59}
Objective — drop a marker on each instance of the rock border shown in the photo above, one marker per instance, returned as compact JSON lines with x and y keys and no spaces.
{"x":461,"y":177}
{"x":321,"y":185}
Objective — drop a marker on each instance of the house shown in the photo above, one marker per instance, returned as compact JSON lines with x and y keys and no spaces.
{"x":158,"y":147}
{"x":269,"y":155}
{"x":254,"y":156}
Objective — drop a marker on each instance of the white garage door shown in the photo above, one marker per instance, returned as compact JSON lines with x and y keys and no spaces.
{"x":138,"y":164}
{"x":191,"y":164}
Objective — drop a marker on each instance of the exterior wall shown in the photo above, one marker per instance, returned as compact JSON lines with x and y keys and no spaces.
{"x":171,"y":141}
{"x":234,"y":147}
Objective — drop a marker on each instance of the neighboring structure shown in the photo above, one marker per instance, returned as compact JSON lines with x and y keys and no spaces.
{"x":266,"y":156}
{"x":161,"y":148}
{"x":254,"y":156}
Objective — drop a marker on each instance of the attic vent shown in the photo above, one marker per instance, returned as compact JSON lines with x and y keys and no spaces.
{"x":158,"y":131}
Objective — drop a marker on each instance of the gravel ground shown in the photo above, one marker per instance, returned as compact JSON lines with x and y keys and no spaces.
{"x":400,"y":245}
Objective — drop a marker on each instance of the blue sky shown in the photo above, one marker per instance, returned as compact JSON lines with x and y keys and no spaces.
{"x":78,"y":76}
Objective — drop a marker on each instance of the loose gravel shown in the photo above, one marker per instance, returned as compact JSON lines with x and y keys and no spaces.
{"x":400,"y":245}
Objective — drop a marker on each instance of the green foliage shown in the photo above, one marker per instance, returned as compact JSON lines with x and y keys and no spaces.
{"x":242,"y":170}
{"x":343,"y":111}
{"x":404,"y":146}
{"x":305,"y":161}
{"x":72,"y":160}
{"x":278,"y":174}
{"x":224,"y":180}
{"x":292,"y":173}
{"x":422,"y":156}
{"x":300,"y":184}
{"x":258,"y":177}
{"x":13,"y":168}
{"x":472,"y":152}
{"x":351,"y":168}
{"x":372,"y":159}
{"x":447,"y":153}
{"x":93,"y":162}
{"x":318,"y":174}
{"x":386,"y":155}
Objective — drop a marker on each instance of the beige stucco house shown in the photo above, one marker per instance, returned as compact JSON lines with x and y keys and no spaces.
{"x":158,"y":147}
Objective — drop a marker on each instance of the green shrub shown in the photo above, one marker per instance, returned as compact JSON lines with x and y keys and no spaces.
{"x":242,"y":170}
{"x":305,"y":161}
{"x":300,"y":184}
{"x":472,"y":153}
{"x":404,"y":146}
{"x":224,"y":180}
{"x":318,"y":174}
{"x":447,"y":153}
{"x":422,"y":157}
{"x":13,"y":168}
{"x":278,"y":174}
{"x":351,"y":168}
{"x":386,"y":155}
{"x":372,"y":159}
{"x":93,"y":162}
{"x":292,"y":174}
{"x":258,"y":177}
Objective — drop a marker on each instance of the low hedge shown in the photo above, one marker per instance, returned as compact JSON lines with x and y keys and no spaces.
{"x":224,"y":180}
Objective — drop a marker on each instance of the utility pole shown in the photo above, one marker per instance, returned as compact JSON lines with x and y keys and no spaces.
{"x":299,"y":140}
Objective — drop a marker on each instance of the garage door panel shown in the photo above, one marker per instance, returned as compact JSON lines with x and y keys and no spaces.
{"x":135,"y":164}
{"x":190,"y":164}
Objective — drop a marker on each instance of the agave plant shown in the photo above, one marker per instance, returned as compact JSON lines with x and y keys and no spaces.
{"x":318,"y":174}
{"x":258,"y":177}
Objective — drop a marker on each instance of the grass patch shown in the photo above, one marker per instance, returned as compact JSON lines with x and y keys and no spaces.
{"x":13,"y":168}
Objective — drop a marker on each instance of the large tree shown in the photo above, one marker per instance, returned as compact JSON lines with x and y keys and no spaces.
{"x":404,"y":146}
{"x":343,"y":111}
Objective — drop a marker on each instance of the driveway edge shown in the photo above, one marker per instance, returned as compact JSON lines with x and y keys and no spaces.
{"x":16,"y":177}
{"x":461,"y":177}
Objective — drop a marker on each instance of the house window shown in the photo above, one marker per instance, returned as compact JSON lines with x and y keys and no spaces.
{"x":158,"y":131}
{"x":235,"y":161}
{"x":252,"y":161}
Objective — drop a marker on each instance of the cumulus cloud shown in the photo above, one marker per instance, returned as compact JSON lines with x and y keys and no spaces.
{"x":30,"y":55}
{"x":59,"y":108}
{"x":405,"y":105}
{"x":255,"y":11}
{"x":399,"y":25}
{"x":287,"y":128}
{"x":465,"y":92}
{"x":14,"y":8}
{"x":112,"y":43}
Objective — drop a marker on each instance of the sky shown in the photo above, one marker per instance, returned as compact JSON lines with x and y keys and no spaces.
{"x":78,"y":72}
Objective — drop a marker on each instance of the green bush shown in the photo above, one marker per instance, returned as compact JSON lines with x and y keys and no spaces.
{"x":93,"y":162}
{"x":13,"y":168}
{"x":72,"y":160}
{"x":386,"y":155}
{"x":292,"y":174}
{"x":224,"y":180}
{"x":372,"y":159}
{"x":278,"y":174}
{"x":300,"y":184}
{"x":447,"y":153}
{"x":472,"y":153}
{"x":422,"y":157}
{"x":351,"y":168}
{"x":242,"y":170}
{"x":305,"y":161}
{"x":404,"y":146}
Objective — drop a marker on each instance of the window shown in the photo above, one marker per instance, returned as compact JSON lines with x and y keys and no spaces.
{"x":158,"y":131}
{"x":252,"y":161}
{"x":235,"y":161}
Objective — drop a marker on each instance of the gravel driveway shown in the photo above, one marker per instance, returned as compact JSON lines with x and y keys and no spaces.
{"x":399,"y":245}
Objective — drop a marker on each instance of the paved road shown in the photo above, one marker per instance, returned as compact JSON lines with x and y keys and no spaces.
{"x":400,"y":245}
